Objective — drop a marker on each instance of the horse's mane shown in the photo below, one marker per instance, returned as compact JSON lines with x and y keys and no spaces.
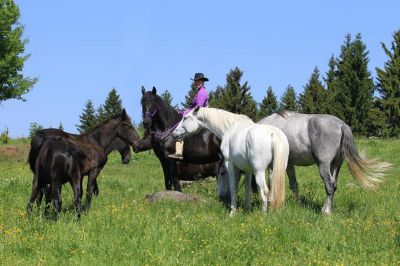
{"x":95,"y":128}
{"x":284,"y":113}
{"x":222,"y":119}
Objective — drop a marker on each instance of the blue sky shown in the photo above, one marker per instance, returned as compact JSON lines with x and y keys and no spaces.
{"x":80,"y":50}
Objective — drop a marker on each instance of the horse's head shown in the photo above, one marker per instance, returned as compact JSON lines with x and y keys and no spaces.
{"x":149,"y":106}
{"x":125,"y":130}
{"x":125,"y":152}
{"x":189,"y":124}
{"x":122,"y":147}
{"x":223,"y":191}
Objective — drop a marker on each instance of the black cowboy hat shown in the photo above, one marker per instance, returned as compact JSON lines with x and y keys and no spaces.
{"x":199,"y":76}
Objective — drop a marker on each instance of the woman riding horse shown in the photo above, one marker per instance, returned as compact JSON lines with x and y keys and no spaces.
{"x":200,"y":99}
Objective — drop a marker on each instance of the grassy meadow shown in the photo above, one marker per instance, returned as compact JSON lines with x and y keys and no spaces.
{"x":123,"y":229}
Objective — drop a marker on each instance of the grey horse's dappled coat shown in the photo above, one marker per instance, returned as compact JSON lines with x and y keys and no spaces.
{"x":324,"y":140}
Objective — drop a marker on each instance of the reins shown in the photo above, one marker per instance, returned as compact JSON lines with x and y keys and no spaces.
{"x":163,"y":134}
{"x":166,"y":132}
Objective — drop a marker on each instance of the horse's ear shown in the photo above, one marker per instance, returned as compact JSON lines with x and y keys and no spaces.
{"x":143,"y":90}
{"x":154,"y":91}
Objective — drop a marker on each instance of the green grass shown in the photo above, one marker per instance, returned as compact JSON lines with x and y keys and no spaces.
{"x":123,"y":229}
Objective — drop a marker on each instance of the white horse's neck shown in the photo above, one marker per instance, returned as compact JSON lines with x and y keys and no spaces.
{"x":219,"y":121}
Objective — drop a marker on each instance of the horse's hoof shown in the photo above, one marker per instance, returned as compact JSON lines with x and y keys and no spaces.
{"x":326,"y":210}
{"x":29,"y":210}
{"x":232,"y":212}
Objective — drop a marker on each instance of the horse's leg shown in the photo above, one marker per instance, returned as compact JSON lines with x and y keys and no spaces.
{"x":254,"y":186}
{"x":233,"y":173}
{"x":90,"y":186}
{"x":47,"y":195}
{"x":175,"y":177}
{"x":95,"y":188}
{"x":35,"y":192}
{"x":291,"y":172}
{"x":264,"y":191}
{"x":39,"y":198}
{"x":223,"y":184}
{"x":325,"y":173}
{"x":167,"y":174}
{"x":77,"y":188}
{"x":335,"y":169}
{"x":56,"y":191}
{"x":249,"y":179}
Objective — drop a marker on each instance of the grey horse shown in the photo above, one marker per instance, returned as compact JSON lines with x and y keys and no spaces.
{"x":324,"y":140}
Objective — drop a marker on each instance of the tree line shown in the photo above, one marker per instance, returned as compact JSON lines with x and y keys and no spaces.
{"x":347,"y":91}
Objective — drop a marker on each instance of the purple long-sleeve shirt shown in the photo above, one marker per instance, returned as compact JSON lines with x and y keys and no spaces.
{"x":200,"y":99}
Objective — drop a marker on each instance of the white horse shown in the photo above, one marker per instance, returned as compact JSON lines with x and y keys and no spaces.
{"x":245,"y":146}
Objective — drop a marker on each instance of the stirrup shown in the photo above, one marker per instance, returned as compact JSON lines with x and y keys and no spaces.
{"x":175,"y":156}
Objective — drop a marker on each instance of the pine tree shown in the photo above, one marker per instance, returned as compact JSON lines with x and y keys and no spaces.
{"x":167,"y":97}
{"x":354,"y":87}
{"x":313,"y":99}
{"x":269,"y":104}
{"x":216,"y":96}
{"x":377,"y":127}
{"x":33,"y":128}
{"x":288,"y":100}
{"x":100,"y":114}
{"x":113,"y":104}
{"x":331,"y":107}
{"x":189,"y":97}
{"x":388,"y":86}
{"x":12,"y":83}
{"x":88,"y":118}
{"x":60,"y":126}
{"x":234,"y":97}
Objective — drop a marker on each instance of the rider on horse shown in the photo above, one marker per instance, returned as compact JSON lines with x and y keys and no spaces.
{"x":200,"y":99}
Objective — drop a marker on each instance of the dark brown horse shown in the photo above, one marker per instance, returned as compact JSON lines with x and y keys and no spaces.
{"x":117,"y":144}
{"x":201,"y":152}
{"x":94,"y":144}
{"x":58,"y":161}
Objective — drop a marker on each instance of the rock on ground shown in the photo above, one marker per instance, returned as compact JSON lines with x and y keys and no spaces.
{"x":172,"y":195}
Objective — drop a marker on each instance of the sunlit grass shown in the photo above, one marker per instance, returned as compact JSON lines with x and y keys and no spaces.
{"x":122,"y":228}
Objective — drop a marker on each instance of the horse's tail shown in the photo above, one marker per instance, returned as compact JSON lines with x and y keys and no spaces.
{"x":36,"y":145}
{"x":368,"y":172}
{"x":280,"y":147}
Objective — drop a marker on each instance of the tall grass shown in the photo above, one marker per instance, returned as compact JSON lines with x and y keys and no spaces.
{"x":122,"y":228}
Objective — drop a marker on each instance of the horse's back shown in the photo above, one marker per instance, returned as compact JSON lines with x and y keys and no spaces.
{"x":249,"y":145}
{"x":309,"y":135}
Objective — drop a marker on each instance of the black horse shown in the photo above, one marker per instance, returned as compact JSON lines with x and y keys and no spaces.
{"x":93,"y":144}
{"x":58,"y":161}
{"x":159,"y":119}
{"x":117,"y":144}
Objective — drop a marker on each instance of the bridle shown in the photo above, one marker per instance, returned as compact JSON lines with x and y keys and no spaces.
{"x":150,"y":113}
{"x":162,"y":134}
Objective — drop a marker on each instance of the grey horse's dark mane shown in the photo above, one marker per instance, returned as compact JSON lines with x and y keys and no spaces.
{"x":283,"y":113}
